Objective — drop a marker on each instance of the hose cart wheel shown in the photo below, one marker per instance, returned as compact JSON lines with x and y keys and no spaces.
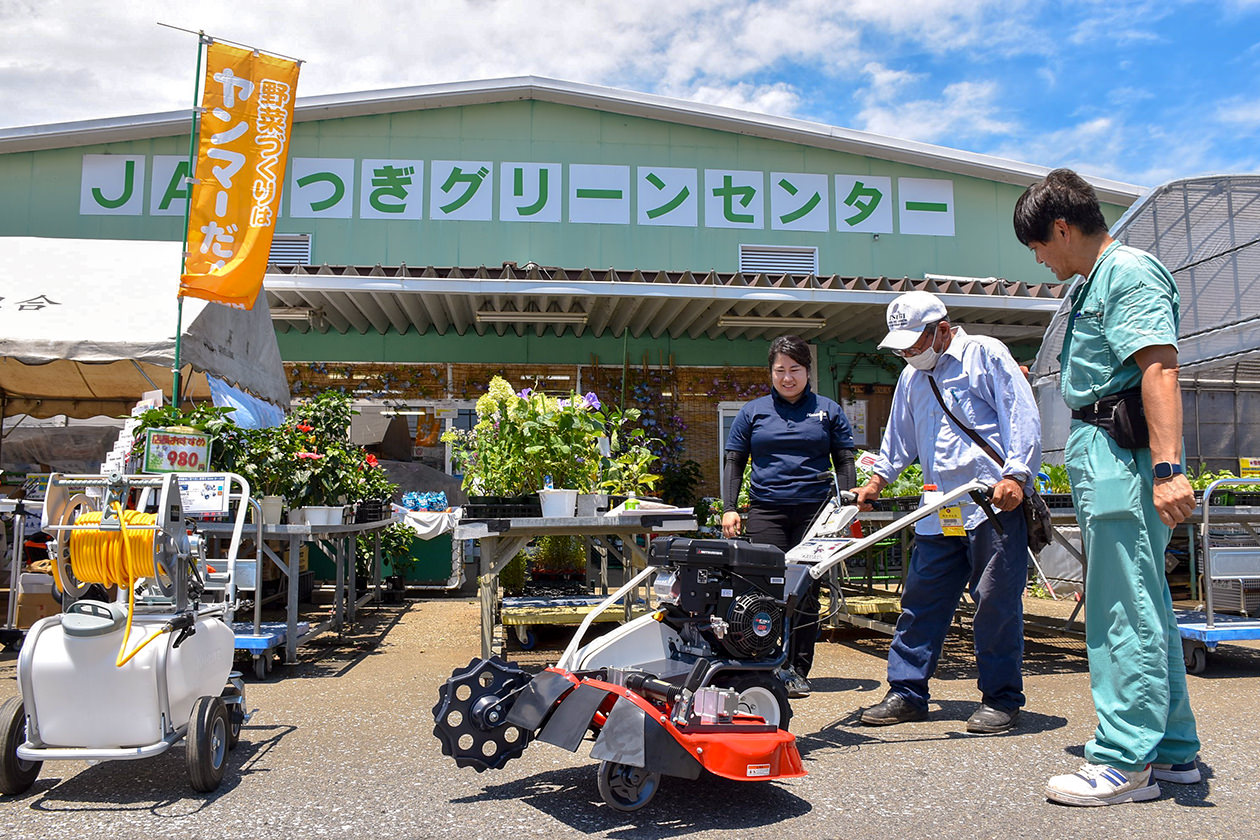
{"x":207,"y":743}
{"x":16,"y":774}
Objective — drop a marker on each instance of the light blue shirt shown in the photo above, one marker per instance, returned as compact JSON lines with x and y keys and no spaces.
{"x":985,"y":389}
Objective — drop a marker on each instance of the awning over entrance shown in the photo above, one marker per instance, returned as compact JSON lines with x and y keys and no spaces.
{"x":678,"y":304}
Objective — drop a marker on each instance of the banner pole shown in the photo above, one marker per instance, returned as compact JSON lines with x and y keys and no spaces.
{"x":192,"y":173}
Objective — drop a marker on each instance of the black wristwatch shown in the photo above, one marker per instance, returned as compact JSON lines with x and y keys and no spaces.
{"x":1165,"y":470}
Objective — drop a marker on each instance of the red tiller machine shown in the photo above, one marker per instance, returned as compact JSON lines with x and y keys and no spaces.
{"x":692,"y":687}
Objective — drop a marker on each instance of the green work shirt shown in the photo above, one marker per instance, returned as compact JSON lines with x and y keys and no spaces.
{"x":1129,"y":301}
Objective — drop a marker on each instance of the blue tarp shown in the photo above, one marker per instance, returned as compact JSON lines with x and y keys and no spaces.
{"x":251,"y":412}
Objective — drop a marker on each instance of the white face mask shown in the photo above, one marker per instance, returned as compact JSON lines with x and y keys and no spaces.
{"x":925,"y":360}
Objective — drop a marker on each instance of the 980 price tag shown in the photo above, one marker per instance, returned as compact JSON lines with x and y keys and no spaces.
{"x":167,"y":450}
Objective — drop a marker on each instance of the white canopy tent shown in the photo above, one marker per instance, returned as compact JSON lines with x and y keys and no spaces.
{"x":87,"y":326}
{"x":1206,"y":230}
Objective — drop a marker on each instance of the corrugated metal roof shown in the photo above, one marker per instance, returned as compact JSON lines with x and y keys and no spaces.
{"x":650,"y":106}
{"x":599,"y":302}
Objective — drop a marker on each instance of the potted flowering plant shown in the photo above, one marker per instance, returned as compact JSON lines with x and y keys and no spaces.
{"x":372,"y":490}
{"x":327,"y":463}
{"x":521,"y":439}
{"x":268,"y":460}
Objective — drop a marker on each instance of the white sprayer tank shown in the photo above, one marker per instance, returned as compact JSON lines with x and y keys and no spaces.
{"x":82,"y":699}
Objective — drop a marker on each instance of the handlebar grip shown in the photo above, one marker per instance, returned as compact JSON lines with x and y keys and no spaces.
{"x":983,"y":499}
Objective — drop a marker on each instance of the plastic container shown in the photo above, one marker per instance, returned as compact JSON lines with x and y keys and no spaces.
{"x":83,"y":699}
{"x":558,"y":503}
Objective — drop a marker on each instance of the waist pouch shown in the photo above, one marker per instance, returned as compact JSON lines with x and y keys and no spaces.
{"x":1120,"y":415}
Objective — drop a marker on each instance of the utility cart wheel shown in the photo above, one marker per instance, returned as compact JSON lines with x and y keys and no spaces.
{"x":525,"y":637}
{"x":207,"y":743}
{"x":236,"y":716}
{"x":761,"y":693}
{"x":263,"y":664}
{"x":1195,"y":653}
{"x":16,"y":774}
{"x":626,"y":788}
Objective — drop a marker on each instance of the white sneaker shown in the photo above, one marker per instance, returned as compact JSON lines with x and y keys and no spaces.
{"x":1101,"y":784}
{"x":1181,"y":774}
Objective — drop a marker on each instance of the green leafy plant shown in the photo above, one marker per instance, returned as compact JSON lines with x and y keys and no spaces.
{"x":1203,"y":479}
{"x":396,"y":541}
{"x":268,"y":460}
{"x":521,"y":439}
{"x":560,"y":554}
{"x":1058,"y":474}
{"x":230,"y":441}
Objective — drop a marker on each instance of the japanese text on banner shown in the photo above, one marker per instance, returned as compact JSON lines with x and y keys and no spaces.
{"x":247,"y":116}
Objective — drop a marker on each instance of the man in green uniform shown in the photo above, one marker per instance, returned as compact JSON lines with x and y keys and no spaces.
{"x":1119,"y":357}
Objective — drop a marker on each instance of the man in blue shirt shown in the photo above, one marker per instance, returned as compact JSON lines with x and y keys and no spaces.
{"x":982,"y":387}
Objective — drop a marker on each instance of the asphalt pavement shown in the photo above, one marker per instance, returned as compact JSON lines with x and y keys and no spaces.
{"x":342,"y":746}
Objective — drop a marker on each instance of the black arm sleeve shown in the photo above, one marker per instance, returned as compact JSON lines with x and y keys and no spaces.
{"x":733,"y":477}
{"x":846,"y":467}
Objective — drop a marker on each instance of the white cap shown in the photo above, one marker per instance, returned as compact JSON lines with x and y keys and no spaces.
{"x":908,"y":315}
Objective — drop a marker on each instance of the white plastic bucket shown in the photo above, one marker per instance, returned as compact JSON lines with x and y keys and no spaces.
{"x":272,"y":508}
{"x":558,"y":502}
{"x":323,"y":514}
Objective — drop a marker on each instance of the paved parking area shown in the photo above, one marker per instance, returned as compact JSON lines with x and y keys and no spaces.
{"x":341,"y":746}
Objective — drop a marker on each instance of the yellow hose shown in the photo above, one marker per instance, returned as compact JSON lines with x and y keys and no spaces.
{"x":116,"y":558}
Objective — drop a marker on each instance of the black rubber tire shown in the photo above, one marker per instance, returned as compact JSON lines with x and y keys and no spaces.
{"x":765,"y":686}
{"x":207,"y":739}
{"x":16,"y":775}
{"x":626,"y":788}
{"x":236,"y":718}
{"x":1196,"y":662}
{"x":260,"y":666}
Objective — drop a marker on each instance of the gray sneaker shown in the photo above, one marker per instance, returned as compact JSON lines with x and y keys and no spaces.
{"x":1178,"y":774}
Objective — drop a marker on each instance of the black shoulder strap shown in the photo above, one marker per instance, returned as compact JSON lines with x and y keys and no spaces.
{"x":970,"y":432}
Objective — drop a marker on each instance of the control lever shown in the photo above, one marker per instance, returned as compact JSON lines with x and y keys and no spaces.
{"x":983,"y":499}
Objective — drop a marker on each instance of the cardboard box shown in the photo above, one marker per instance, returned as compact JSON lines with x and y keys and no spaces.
{"x":35,"y":599}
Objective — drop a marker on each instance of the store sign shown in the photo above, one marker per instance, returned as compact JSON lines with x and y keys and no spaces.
{"x":168,"y":450}
{"x":1249,"y":467}
{"x":382,"y":189}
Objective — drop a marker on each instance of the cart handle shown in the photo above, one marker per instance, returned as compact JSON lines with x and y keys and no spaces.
{"x":977,"y":490}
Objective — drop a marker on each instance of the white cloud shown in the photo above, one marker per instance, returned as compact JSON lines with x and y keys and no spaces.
{"x":963,"y":111}
{"x":1238,"y":113}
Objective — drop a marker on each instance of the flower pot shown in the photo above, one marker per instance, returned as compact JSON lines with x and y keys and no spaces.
{"x":272,"y":509}
{"x":323,"y":514}
{"x":558,"y":503}
{"x":371,"y":510}
{"x":591,"y":504}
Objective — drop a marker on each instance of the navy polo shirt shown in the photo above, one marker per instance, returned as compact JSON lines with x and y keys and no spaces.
{"x":789,"y":445}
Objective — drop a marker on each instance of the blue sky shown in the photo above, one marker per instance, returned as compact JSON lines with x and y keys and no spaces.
{"x":1131,"y":90}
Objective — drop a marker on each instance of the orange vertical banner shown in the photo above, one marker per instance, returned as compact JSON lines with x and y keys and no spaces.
{"x":247,"y":116}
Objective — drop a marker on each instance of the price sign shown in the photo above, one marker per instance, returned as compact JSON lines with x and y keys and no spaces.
{"x":167,"y":450}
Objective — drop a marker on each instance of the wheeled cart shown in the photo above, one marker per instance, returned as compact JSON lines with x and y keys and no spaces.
{"x":1231,"y":581}
{"x":127,"y":679}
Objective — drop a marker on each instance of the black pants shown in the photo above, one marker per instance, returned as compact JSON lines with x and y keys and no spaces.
{"x":783,"y":526}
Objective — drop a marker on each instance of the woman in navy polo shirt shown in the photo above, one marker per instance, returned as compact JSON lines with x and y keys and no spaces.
{"x":795,"y":438}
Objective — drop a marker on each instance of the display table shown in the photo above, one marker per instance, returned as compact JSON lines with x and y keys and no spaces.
{"x":337,"y":541}
{"x":501,"y":539}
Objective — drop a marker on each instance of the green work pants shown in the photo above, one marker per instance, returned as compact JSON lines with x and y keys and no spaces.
{"x":1136,"y":669}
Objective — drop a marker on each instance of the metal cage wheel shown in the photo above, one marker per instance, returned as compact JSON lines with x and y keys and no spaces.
{"x":761,"y":693}
{"x":16,"y":774}
{"x":627,"y":788}
{"x":207,"y":743}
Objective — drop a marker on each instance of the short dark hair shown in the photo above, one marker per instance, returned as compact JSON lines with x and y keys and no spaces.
{"x":792,"y":346}
{"x":1060,"y":195}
